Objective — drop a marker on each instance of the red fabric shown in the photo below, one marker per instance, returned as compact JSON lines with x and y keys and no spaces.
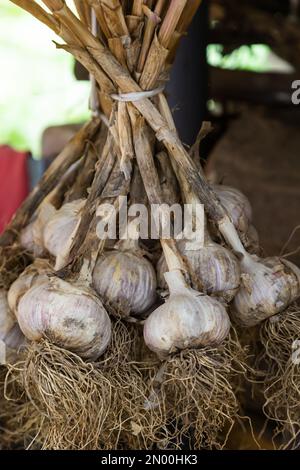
{"x":14,"y":182}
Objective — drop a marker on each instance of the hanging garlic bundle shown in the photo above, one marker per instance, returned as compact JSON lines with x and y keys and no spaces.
{"x":133,"y":54}
{"x":11,"y":337}
{"x":125,"y":279}
{"x":59,"y":232}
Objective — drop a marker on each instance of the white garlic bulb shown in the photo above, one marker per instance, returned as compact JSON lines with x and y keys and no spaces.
{"x":186,"y":320}
{"x":60,"y":230}
{"x":11,"y":337}
{"x":215,"y":267}
{"x":236,"y":204}
{"x":268,"y":287}
{"x":36,"y":272}
{"x":31,"y":237}
{"x":126,"y":280}
{"x":69,"y":315}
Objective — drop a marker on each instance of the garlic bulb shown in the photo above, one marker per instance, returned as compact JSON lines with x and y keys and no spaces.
{"x":61,"y":228}
{"x":268,"y":287}
{"x":186,"y":320}
{"x":36,"y":272}
{"x":11,"y":337}
{"x":126,"y":280}
{"x":236,"y":204}
{"x":69,"y":315}
{"x":31,"y":237}
{"x":216,"y":268}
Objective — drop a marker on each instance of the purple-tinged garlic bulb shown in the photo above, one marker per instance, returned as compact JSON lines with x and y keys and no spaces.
{"x":268,"y":287}
{"x":213,"y":266}
{"x":61,"y":229}
{"x":69,"y":315}
{"x":126,"y":280}
{"x":11,"y":337}
{"x":186,"y":320}
{"x":237,"y":206}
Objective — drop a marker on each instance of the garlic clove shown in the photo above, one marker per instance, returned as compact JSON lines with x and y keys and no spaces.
{"x":268,"y":287}
{"x":125,"y":280}
{"x":70,"y":316}
{"x":186,"y":320}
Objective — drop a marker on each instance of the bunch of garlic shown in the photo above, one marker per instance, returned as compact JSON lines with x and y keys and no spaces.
{"x":11,"y":337}
{"x":187,"y":319}
{"x":60,"y":230}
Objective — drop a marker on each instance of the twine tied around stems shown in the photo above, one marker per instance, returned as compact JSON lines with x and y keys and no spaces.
{"x":137,"y":96}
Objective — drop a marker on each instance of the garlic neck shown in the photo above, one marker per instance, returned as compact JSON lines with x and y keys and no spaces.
{"x":131,"y":243}
{"x":199,"y":236}
{"x":231,"y":236}
{"x":173,"y":259}
{"x":176,"y":282}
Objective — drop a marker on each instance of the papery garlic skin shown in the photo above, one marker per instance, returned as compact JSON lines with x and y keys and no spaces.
{"x":32,"y":236}
{"x":215,"y":267}
{"x":11,"y":337}
{"x":60,"y":228}
{"x":268,"y":287}
{"x":251,"y":240}
{"x":125,"y":280}
{"x":36,"y":272}
{"x":236,"y":204}
{"x":70,"y":316}
{"x":186,"y":320}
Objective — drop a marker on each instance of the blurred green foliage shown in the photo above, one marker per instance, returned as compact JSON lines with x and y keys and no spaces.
{"x":254,"y":58}
{"x":37,"y":85}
